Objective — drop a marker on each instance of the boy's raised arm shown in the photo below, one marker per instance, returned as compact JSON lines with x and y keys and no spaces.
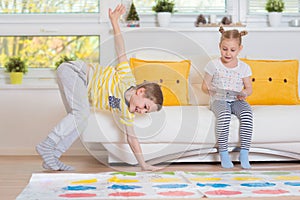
{"x":114,"y":16}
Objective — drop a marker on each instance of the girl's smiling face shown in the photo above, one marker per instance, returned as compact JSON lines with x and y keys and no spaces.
{"x":230,"y":49}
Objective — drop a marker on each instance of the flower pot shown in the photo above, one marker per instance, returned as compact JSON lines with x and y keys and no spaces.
{"x":274,"y":18}
{"x":163,"y":19}
{"x":133,"y":23}
{"x":16,"y":77}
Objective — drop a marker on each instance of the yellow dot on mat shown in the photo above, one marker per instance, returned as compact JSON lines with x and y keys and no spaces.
{"x":115,"y":179}
{"x":164,"y":180}
{"x":246,"y":178}
{"x":94,"y":180}
{"x":205,"y":179}
{"x":288,"y":178}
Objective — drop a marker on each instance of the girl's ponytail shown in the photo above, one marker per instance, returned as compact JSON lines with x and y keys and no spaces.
{"x":242,"y":33}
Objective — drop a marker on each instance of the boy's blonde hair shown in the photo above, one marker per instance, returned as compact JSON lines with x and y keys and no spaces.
{"x":152,"y":92}
{"x":232,"y":34}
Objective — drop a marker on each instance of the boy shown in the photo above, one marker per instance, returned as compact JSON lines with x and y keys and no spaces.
{"x":108,"y":88}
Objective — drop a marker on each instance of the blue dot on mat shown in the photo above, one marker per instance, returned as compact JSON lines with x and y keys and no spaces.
{"x":124,"y":187}
{"x":79,"y":187}
{"x":259,"y":184}
{"x":292,"y":183}
{"x":214,"y":185}
{"x":218,"y":185}
{"x":169,"y":186}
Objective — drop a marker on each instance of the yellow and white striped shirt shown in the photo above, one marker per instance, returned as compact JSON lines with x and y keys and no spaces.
{"x":107,"y":88}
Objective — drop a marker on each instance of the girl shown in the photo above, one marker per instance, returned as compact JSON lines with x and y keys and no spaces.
{"x":227,"y":80}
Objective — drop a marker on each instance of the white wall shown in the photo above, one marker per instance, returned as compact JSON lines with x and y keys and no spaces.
{"x":28,"y":113}
{"x":27,"y":116}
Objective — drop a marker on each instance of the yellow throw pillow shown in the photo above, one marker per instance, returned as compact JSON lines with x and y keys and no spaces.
{"x":171,"y":75}
{"x":274,"y":82}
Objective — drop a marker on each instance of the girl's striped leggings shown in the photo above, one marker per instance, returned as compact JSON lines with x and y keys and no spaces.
{"x":223,"y":110}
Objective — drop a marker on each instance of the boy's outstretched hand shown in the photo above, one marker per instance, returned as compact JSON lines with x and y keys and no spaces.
{"x":148,"y":167}
{"x":114,"y":15}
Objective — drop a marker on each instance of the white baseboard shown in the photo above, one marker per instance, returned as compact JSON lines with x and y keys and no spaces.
{"x":31,"y":151}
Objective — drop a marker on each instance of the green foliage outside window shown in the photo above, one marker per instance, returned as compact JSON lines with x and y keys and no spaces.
{"x":44,"y":51}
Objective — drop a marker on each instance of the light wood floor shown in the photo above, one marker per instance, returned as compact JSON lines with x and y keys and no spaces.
{"x":16,"y":171}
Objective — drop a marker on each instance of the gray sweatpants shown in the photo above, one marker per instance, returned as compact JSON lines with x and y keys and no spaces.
{"x":72,"y":82}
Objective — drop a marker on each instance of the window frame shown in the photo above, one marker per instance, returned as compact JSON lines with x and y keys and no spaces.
{"x":188,"y":19}
{"x":260,"y":19}
{"x":51,"y":25}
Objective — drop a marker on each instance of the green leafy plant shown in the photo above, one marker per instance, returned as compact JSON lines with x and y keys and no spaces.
{"x":64,"y":59}
{"x":275,"y":5}
{"x":164,"y":6}
{"x":16,"y":64}
{"x":132,"y":15}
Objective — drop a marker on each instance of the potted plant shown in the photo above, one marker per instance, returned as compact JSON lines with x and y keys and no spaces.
{"x":164,"y":9}
{"x":132,"y":18}
{"x":16,"y":68}
{"x":274,"y":8}
{"x":63,"y":59}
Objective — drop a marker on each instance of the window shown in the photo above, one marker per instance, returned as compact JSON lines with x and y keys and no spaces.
{"x":186,"y":6}
{"x":258,"y":7}
{"x":187,"y":11}
{"x":41,"y":31}
{"x":253,"y":12}
{"x":48,"y":6}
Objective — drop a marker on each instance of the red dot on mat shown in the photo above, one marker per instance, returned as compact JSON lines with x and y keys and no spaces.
{"x":74,"y":195}
{"x":126,"y":194}
{"x":176,"y":193}
{"x":223,"y":192}
{"x":270,"y":191}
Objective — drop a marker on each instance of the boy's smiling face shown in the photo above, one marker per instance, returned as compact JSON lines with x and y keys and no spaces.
{"x":140,"y":104}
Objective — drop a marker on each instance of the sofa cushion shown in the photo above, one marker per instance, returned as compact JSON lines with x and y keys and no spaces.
{"x":173,"y":124}
{"x":274,"y":82}
{"x":171,"y":75}
{"x":276,"y":124}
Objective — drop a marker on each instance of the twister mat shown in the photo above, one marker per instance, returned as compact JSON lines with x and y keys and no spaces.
{"x":162,"y":185}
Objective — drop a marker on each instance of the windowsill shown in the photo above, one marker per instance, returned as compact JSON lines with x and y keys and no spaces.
{"x":29,"y":86}
{"x":209,"y":29}
{"x":34,"y":79}
{"x":186,"y":21}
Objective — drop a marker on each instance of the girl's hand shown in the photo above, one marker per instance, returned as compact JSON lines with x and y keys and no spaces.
{"x":242,"y":96}
{"x":212,"y":91}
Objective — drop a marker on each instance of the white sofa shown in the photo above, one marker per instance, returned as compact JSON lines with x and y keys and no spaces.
{"x":187,"y":133}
